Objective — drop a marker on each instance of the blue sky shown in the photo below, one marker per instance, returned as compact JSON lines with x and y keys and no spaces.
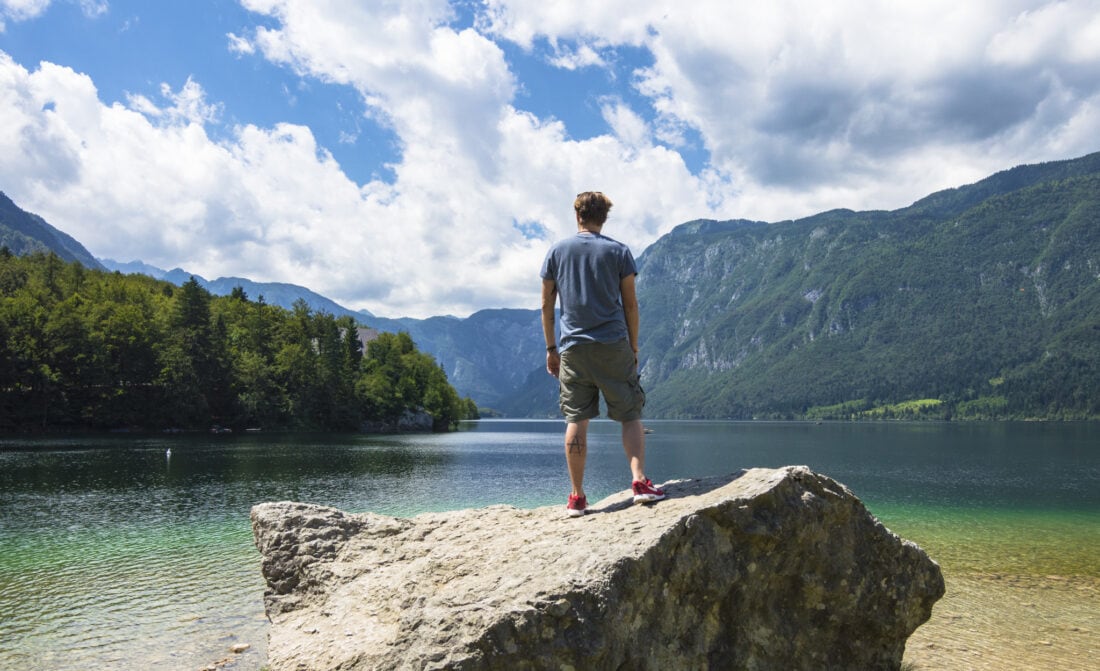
{"x":135,"y":46}
{"x":417,"y":158}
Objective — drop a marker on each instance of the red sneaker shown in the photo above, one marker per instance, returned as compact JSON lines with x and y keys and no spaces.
{"x":645,"y":492}
{"x":577,"y":506}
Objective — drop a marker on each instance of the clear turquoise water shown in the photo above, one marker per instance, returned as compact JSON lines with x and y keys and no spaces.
{"x":114,"y":555}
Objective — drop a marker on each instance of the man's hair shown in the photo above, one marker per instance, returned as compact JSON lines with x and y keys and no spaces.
{"x":592,"y":206}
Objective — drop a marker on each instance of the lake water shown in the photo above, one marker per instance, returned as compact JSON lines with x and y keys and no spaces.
{"x":115,"y":555}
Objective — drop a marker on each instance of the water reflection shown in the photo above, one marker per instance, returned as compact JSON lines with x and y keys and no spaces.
{"x":111,"y":464}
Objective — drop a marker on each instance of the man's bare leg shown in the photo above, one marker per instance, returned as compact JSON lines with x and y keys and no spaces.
{"x":634,"y":446}
{"x":576,"y":453}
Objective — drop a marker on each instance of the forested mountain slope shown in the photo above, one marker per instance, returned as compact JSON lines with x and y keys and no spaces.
{"x":980,"y":301}
{"x":492,"y":355}
{"x":25,"y":233}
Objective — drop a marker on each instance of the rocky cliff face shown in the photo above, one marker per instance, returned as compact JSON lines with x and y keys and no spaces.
{"x":764,"y":569}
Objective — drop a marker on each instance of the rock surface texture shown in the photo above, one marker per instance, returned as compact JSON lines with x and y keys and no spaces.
{"x":763,"y":569}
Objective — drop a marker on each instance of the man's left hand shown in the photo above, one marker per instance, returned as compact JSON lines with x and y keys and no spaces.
{"x":553,"y":362}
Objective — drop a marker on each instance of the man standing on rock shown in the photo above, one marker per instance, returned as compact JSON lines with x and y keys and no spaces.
{"x":598,"y":351}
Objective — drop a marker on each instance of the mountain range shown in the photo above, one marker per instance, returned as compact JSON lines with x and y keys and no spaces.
{"x":274,"y":293}
{"x":978,"y":301}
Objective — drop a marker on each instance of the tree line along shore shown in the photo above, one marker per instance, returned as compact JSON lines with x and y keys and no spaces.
{"x":92,"y":350}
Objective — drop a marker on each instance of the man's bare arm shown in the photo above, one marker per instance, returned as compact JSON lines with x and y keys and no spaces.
{"x":549,"y":299}
{"x":630,"y":309}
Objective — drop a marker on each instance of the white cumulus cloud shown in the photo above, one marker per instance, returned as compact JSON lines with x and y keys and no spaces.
{"x":793,"y":106}
{"x":21,"y":10}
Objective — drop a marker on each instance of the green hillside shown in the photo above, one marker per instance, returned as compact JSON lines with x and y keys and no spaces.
{"x":982,"y":301}
{"x":25,"y":233}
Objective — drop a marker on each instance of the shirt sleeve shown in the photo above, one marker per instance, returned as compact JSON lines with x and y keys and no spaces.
{"x":629,"y":267}
{"x":548,"y":271}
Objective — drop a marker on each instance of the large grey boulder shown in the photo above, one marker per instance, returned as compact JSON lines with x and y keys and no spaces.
{"x":763,"y":569}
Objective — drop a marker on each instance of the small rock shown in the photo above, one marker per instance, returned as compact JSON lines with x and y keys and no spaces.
{"x":238,"y":648}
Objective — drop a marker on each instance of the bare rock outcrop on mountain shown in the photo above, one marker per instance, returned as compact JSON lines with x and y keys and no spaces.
{"x":763,"y":569}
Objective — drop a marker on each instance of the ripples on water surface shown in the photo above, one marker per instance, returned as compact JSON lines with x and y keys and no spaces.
{"x":113,"y":555}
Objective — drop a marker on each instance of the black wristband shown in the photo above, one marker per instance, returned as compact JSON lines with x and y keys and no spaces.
{"x":551,"y":348}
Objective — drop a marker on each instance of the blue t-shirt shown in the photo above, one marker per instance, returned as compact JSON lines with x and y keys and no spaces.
{"x":587,"y":269}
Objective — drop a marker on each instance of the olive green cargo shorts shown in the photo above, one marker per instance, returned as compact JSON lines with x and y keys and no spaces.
{"x":590,"y":369}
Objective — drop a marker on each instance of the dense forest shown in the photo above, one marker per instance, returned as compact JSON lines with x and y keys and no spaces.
{"x":88,"y":349}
